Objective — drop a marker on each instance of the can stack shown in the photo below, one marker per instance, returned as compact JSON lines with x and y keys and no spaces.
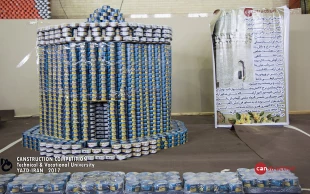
{"x":106,"y":80}
{"x":37,"y":183}
{"x":102,"y":76}
{"x":203,"y":182}
{"x":280,"y":182}
{"x":131,"y":103}
{"x":152,"y":88}
{"x":101,"y":118}
{"x":5,"y":179}
{"x":42,"y":104}
{"x":102,"y":149}
{"x":96,"y":182}
{"x":158,"y":87}
{"x":139,"y":91}
{"x":145,"y":91}
{"x":274,"y":181}
{"x":146,"y":182}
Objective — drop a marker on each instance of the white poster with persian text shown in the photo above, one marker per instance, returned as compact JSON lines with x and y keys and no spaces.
{"x":250,"y":48}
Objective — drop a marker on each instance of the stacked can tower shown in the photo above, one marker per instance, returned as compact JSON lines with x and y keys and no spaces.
{"x":105,"y":87}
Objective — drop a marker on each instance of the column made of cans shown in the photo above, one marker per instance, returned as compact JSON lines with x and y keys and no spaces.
{"x":152,"y":87}
{"x":66,"y":99}
{"x":60,"y":90}
{"x":45,"y":90}
{"x":111,"y":88}
{"x":50,"y":88}
{"x":131,"y":102}
{"x":165,"y":97}
{"x":54,"y":91}
{"x":93,"y":51}
{"x":102,"y":131}
{"x":84,"y":119}
{"x":139,"y":88}
{"x":73,"y":93}
{"x":145,"y":90}
{"x":41,"y":89}
{"x":169,"y":88}
{"x":121,"y":71}
{"x":158,"y":89}
{"x":92,"y":110}
{"x":102,"y":77}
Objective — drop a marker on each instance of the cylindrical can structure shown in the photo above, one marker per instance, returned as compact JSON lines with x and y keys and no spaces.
{"x":108,"y":81}
{"x":152,"y":88}
{"x":131,"y":98}
{"x":145,"y":90}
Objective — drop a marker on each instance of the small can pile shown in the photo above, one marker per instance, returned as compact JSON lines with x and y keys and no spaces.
{"x":203,"y":182}
{"x":96,"y":182}
{"x":146,"y":182}
{"x":39,"y":183}
{"x":276,"y":180}
{"x":104,"y":149}
{"x":4,"y":180}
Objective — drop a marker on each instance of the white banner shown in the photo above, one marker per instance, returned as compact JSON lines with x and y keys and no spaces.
{"x":250,"y":49}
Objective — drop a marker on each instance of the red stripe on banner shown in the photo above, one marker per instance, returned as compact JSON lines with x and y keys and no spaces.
{"x":293,"y":4}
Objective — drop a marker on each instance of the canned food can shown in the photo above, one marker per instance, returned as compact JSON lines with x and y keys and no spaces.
{"x":90,"y":157}
{"x":133,"y":186}
{"x":99,"y":157}
{"x":106,"y":150}
{"x":96,"y":150}
{"x":110,"y":156}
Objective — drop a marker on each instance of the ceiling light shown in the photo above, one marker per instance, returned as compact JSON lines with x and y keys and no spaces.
{"x":197,"y":15}
{"x":138,"y":16}
{"x":162,"y":15}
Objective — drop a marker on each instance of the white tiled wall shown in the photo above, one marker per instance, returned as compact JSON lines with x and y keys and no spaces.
{"x":81,"y":9}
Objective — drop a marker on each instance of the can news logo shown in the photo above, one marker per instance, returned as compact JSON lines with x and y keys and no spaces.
{"x":261,"y":168}
{"x":6,"y":165}
{"x":248,"y":12}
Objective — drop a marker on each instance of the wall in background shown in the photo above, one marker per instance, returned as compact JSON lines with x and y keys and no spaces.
{"x":192,"y":64}
{"x":79,"y":9}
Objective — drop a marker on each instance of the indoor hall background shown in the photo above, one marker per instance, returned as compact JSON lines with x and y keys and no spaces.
{"x":192,"y":79}
{"x":64,"y":9}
